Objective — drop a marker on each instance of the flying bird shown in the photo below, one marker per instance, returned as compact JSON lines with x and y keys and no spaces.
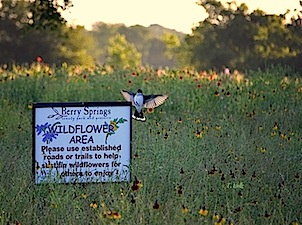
{"x":140,"y":101}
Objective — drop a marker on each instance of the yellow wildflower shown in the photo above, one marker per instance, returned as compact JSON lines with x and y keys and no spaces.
{"x":216,"y":216}
{"x":93,"y":205}
{"x":203,"y":211}
{"x":184,"y":209}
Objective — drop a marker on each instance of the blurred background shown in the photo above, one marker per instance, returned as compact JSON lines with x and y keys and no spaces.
{"x":206,"y":34}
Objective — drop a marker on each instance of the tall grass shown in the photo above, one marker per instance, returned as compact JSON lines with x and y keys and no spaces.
{"x":228,"y":145}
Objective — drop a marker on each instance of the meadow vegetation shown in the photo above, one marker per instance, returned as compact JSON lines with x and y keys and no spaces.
{"x":223,"y":149}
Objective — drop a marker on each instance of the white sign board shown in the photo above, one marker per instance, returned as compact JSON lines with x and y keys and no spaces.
{"x":81,"y":142}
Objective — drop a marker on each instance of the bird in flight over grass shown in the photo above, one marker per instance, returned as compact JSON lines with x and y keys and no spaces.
{"x":140,"y":101}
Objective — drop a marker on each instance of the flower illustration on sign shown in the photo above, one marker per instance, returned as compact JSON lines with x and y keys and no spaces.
{"x":48,"y":132}
{"x":114,"y":125}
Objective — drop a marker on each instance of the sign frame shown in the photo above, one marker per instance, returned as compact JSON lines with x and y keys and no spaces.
{"x":43,"y":105}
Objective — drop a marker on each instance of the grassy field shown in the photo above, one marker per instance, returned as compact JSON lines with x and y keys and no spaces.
{"x":221,"y":150}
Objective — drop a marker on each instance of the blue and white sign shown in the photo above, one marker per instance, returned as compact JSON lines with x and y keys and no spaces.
{"x":81,"y":142}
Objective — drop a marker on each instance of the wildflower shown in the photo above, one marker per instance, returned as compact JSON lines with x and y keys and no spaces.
{"x":39,"y":59}
{"x":135,"y":156}
{"x":132,"y":199}
{"x":129,"y":82}
{"x":220,"y":221}
{"x":150,"y":110}
{"x":254,"y":175}
{"x":179,"y":190}
{"x":267,"y":215}
{"x":184,"y":209}
{"x":216,"y":217}
{"x":243,"y":172}
{"x":136,"y":185}
{"x":254,"y":203}
{"x":218,"y":128}
{"x":116,"y":215}
{"x":181,"y":171}
{"x":228,"y":94}
{"x":197,"y":121}
{"x":156,"y":205}
{"x":203,"y":211}
{"x":297,"y":176}
{"x":112,"y":215}
{"x":30,"y":106}
{"x":213,"y":170}
{"x":198,"y":134}
{"x":295,"y":222}
{"x":122,"y":192}
{"x":179,"y":120}
{"x":273,"y":134}
{"x":276,"y":126}
{"x":238,"y":77}
{"x":288,"y":138}
{"x":239,"y":209}
{"x":216,"y":93}
{"x":93,"y":205}
{"x":84,"y":196}
{"x":262,"y":150}
{"x":54,"y":205}
{"x":283,"y":136}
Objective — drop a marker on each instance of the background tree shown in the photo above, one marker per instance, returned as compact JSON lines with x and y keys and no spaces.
{"x":172,"y":43}
{"x":230,"y":36}
{"x":296,"y":42}
{"x":122,"y":53}
{"x":147,"y":40}
{"x":36,"y":28}
{"x":79,"y":48}
{"x":46,"y":14}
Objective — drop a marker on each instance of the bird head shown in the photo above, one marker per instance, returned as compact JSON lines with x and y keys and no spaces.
{"x":139,"y":91}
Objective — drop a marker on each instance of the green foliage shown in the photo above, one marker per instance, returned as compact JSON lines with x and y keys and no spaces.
{"x":147,"y":40}
{"x":230,"y":145}
{"x":233,"y":37}
{"x":36,"y":28}
{"x":78,"y":48}
{"x":122,"y":53}
{"x":172,"y":43}
{"x":45,"y":14}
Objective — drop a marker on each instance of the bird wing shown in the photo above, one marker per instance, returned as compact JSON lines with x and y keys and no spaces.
{"x":128,"y":96}
{"x":152,"y":101}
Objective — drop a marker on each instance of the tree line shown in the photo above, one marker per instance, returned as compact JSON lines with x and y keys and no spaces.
{"x":229,"y":37}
